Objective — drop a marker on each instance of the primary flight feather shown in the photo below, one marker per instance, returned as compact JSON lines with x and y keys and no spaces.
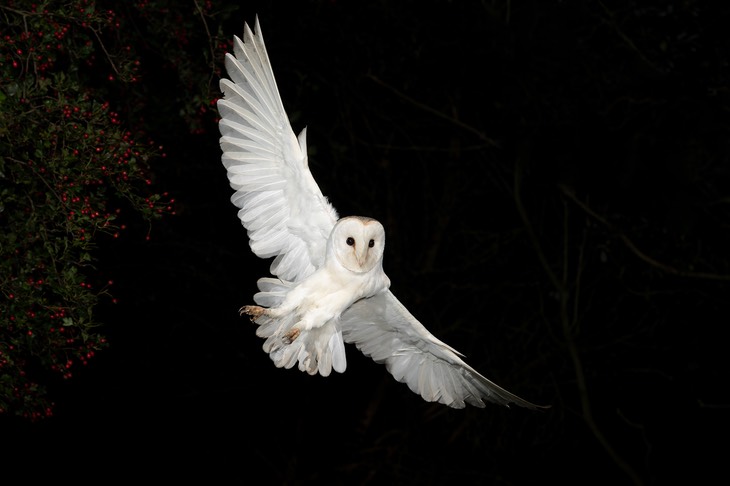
{"x":330,"y":287}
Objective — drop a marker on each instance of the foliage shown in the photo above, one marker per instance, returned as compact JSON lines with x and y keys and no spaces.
{"x":69,"y":167}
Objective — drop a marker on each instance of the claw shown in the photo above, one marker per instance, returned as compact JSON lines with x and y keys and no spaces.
{"x":254,"y":311}
{"x":291,"y":335}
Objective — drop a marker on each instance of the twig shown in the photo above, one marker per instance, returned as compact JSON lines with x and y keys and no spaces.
{"x":635,"y":250}
{"x":612,"y":22}
{"x":567,"y":325}
{"x":561,"y":285}
{"x":103,"y":48}
{"x":435,"y":112}
{"x":207,"y":31}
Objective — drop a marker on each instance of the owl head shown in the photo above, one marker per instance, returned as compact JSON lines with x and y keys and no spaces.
{"x":357,"y":244}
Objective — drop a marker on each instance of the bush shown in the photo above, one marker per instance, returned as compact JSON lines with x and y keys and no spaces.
{"x":69,"y":165}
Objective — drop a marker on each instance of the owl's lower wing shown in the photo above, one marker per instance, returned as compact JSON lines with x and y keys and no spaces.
{"x":382,"y":328}
{"x":282,"y":207}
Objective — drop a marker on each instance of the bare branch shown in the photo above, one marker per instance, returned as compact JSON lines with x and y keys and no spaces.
{"x":481,"y":135}
{"x":634,"y":249}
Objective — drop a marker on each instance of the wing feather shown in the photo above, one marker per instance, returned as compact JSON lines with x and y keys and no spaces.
{"x":382,"y":328}
{"x":282,"y":208}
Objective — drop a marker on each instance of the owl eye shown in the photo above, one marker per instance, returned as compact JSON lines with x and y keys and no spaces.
{"x":350,"y":241}
{"x":371,"y":243}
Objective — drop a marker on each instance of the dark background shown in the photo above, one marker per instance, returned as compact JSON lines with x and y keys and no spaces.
{"x":553,"y":179}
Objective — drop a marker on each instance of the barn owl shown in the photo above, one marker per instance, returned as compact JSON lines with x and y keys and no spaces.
{"x":329,"y":286}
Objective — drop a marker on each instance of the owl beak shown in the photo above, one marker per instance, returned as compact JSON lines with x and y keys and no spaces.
{"x":360,"y":255}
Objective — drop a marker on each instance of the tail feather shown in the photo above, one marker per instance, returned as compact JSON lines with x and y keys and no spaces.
{"x":317,"y":350}
{"x":337,"y":351}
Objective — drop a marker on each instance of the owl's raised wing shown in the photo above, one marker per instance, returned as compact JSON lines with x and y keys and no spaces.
{"x":282,"y":208}
{"x":382,"y":328}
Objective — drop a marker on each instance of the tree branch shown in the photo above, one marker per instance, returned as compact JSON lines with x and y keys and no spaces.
{"x":567,"y":324}
{"x":481,"y":135}
{"x":634,"y":249}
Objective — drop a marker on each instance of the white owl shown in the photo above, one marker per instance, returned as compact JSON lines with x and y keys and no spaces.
{"x":331,"y":287}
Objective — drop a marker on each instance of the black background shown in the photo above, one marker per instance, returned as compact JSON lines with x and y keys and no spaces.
{"x":608,"y":122}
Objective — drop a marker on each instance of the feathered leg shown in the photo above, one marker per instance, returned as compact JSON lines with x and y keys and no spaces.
{"x":290,"y":338}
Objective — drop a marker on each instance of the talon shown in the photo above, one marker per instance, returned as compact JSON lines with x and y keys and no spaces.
{"x":254,"y":311}
{"x":290,"y":336}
